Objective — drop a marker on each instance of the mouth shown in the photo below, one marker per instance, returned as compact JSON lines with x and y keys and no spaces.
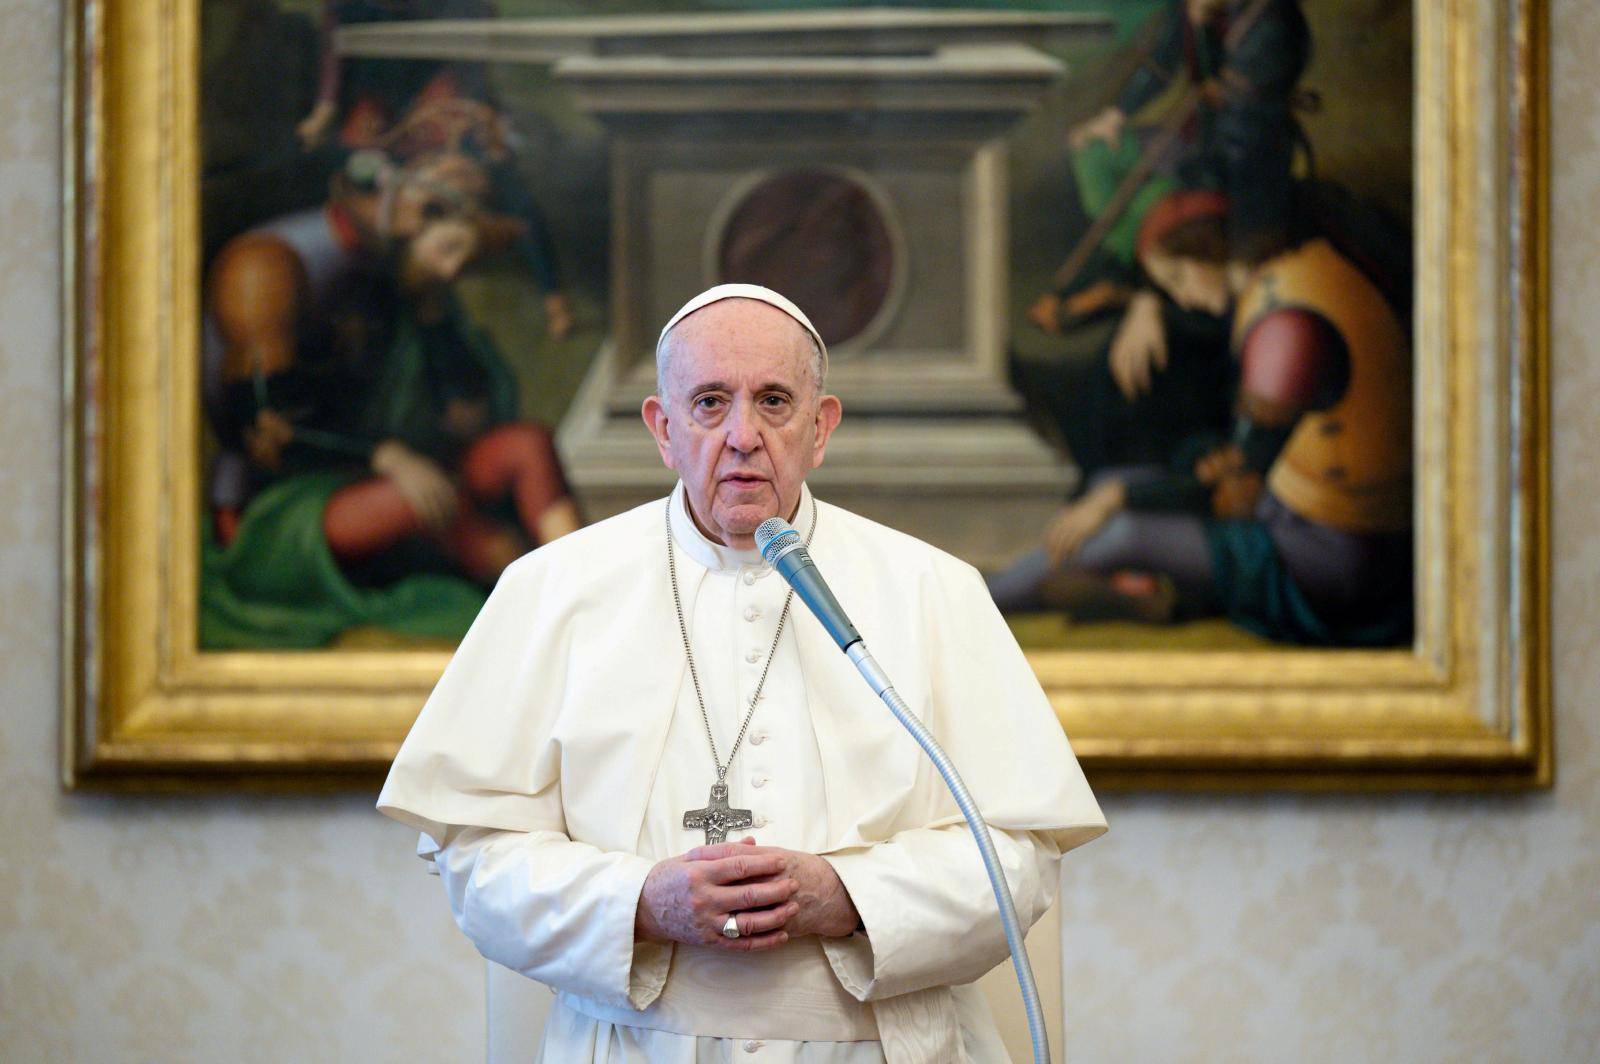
{"x":743,"y":481}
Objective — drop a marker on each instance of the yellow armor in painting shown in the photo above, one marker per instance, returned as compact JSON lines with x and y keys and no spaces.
{"x":1349,"y":466}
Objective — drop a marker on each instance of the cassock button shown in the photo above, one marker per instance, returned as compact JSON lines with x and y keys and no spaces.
{"x":760,"y":822}
{"x":758,"y":782}
{"x":749,"y":577}
{"x":751,"y":613}
{"x":758,"y":738}
{"x":751,"y":1046}
{"x":752,"y":656}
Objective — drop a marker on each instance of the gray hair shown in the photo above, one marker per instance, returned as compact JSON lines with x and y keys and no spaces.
{"x":664,"y":346}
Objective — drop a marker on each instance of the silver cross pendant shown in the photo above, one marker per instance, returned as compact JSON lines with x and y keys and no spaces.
{"x":716,"y":818}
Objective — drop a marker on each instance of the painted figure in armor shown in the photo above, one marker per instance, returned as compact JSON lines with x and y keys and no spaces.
{"x":1245,"y":58}
{"x":407,"y":107}
{"x":1165,"y":375}
{"x":1299,"y":526}
{"x":370,"y":451}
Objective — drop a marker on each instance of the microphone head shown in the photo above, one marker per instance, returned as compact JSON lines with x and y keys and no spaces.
{"x":774,"y":534}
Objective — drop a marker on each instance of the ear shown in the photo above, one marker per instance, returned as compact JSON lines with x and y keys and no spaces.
{"x":829,"y":411}
{"x":654,"y":412}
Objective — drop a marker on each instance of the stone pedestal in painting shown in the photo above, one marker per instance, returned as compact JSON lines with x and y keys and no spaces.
{"x":857,"y":163}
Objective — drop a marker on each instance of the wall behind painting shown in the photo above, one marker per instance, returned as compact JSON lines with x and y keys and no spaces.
{"x":1208,"y":929}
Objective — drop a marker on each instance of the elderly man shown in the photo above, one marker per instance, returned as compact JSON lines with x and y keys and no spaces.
{"x":635,"y":689}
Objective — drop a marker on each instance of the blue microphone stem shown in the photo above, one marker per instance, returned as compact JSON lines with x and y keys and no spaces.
{"x":781,"y":546}
{"x":879,"y":681}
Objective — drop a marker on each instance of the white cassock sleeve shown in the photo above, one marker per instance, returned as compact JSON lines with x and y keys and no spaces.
{"x":480,"y":776}
{"x":554,"y":910}
{"x":926,"y":904}
{"x":930,"y":914}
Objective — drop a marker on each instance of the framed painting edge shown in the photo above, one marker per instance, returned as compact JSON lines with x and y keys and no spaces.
{"x":140,"y":713}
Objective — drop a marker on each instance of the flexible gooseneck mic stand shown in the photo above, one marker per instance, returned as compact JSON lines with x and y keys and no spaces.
{"x":783,"y":549}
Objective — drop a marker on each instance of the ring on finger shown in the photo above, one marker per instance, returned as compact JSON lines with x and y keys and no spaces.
{"x":730,"y":927}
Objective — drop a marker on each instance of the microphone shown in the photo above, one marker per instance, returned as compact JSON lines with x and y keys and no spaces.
{"x":786,"y":552}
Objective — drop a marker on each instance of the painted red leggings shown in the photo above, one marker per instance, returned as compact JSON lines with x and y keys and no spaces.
{"x":519,"y":459}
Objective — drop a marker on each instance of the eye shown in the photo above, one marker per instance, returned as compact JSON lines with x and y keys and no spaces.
{"x":708,"y":404}
{"x":774,"y":401}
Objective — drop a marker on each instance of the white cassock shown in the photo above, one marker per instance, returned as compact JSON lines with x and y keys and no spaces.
{"x":552,"y":765}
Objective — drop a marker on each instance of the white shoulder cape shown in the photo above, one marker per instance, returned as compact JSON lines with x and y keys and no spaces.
{"x":569,"y":675}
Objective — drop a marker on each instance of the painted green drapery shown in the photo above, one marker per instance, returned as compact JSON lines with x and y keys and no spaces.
{"x":277,"y":584}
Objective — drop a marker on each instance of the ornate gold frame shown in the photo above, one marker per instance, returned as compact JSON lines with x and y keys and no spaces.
{"x":1469,"y":706}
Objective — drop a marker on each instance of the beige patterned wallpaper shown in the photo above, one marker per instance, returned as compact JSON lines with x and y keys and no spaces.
{"x":1203,"y":929}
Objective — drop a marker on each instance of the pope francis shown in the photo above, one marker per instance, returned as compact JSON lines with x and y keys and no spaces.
{"x":649,"y":780}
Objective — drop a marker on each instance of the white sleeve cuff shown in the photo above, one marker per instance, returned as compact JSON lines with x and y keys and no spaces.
{"x":648,"y":976}
{"x":851,"y":959}
{"x":854,"y":959}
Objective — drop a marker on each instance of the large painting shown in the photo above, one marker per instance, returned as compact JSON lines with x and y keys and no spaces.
{"x":1164,"y":314}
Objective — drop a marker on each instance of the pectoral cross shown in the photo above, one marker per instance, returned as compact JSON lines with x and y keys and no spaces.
{"x":716,"y":818}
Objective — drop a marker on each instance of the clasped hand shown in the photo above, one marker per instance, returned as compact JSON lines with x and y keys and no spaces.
{"x":773,"y":894}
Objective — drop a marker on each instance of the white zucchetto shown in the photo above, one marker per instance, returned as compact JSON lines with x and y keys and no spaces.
{"x":745,"y":291}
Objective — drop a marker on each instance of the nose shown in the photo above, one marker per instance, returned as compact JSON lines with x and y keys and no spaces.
{"x":744,"y":435}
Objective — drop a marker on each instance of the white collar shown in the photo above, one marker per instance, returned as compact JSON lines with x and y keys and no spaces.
{"x":715,"y":556}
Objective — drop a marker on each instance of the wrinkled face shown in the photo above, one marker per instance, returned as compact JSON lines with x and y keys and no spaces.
{"x":435,"y":257}
{"x":1193,"y":284}
{"x":742,"y":421}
